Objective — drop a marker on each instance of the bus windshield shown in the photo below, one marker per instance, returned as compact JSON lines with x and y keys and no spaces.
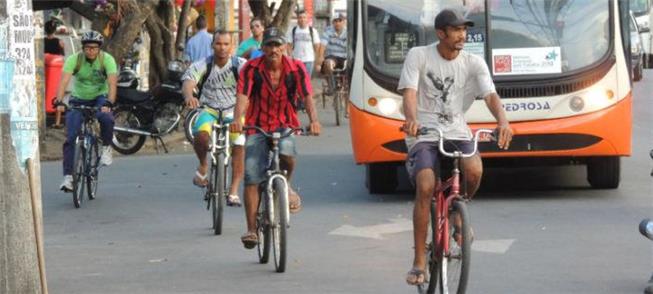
{"x":568,"y":35}
{"x":640,"y":7}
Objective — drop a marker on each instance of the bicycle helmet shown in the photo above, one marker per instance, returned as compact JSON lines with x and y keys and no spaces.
{"x":92,"y":37}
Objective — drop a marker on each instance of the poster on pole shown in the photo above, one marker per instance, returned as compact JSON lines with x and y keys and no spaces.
{"x":18,"y":68}
{"x":526,"y":61}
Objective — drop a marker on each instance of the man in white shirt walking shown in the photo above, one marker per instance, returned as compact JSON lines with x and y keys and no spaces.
{"x":303,"y":41}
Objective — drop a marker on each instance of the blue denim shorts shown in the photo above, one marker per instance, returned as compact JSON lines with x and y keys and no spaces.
{"x":427,"y":155}
{"x":257,"y":154}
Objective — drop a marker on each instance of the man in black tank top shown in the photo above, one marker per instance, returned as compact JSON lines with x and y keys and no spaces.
{"x":52,"y":44}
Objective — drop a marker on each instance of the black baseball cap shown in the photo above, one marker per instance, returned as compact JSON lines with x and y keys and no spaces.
{"x":448,"y":17}
{"x":273,"y":35}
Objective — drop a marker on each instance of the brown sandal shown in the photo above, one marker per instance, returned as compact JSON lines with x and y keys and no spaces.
{"x":250,"y":240}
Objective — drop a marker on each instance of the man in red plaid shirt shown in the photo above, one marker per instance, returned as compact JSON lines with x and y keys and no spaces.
{"x":269,"y":90}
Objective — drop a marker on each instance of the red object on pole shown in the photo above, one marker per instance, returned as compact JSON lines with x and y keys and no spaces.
{"x":308,"y":7}
{"x":53,"y":69}
{"x":243,"y":20}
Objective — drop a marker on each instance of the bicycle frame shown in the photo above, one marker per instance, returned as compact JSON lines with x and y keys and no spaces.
{"x":220,"y":139}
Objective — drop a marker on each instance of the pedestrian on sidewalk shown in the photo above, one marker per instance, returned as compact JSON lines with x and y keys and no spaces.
{"x":198,"y":47}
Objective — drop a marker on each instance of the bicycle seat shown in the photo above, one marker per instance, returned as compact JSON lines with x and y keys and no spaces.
{"x":132,"y":96}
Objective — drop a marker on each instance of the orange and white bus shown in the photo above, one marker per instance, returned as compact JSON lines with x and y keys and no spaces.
{"x":561,"y":69}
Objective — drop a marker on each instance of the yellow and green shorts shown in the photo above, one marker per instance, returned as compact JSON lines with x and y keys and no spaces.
{"x":208,"y":116}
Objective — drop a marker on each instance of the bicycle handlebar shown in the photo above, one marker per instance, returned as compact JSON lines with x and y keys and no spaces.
{"x":281,"y":135}
{"x":441,"y":139}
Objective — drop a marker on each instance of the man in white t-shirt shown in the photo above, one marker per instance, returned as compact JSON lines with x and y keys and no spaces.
{"x":303,"y":41}
{"x":216,"y":77}
{"x":439,"y":82}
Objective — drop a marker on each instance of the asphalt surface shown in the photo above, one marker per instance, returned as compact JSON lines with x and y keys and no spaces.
{"x":537,"y":230}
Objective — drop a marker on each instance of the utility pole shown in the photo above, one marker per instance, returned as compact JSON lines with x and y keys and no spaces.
{"x":22,"y":269}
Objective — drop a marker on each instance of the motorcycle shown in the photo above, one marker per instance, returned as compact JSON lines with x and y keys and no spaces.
{"x":154,"y":114}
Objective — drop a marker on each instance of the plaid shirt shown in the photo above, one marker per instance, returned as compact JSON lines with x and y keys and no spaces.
{"x":270,"y":109}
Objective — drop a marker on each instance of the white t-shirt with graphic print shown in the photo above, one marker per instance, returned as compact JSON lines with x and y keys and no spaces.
{"x":302,"y":44}
{"x":220,"y":87}
{"x":445,"y":90}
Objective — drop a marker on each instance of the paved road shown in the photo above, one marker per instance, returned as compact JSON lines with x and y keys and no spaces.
{"x":148,"y":231}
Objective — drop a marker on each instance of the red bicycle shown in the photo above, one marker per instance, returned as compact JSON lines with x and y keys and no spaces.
{"x":449,"y":249}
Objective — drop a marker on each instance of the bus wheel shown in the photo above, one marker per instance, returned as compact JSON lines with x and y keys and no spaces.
{"x":381,"y":178}
{"x":604,"y":172}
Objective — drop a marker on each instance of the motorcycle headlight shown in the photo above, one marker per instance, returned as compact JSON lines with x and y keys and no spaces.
{"x":175,"y":66}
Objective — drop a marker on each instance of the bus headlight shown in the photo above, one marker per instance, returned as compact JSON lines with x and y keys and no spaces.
{"x":388,"y":106}
{"x":576,"y":103}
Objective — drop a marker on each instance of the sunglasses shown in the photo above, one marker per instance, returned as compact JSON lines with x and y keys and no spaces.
{"x":89,"y":48}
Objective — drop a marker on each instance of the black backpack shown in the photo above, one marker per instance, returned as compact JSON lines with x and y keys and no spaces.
{"x":235,"y":64}
{"x":310,"y":32}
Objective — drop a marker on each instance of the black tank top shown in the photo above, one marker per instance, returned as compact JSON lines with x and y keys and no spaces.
{"x":52,"y":46}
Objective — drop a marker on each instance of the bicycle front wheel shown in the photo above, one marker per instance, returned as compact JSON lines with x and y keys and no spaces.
{"x":189,"y":122}
{"x":78,"y":174}
{"x":263,"y":230}
{"x":217,"y":192}
{"x":93,"y":160}
{"x":454,"y":266}
{"x":280,"y":224}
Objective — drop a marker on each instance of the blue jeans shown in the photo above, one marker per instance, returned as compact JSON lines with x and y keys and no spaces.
{"x":74,"y":121}
{"x":309,"y":68}
{"x":256,"y":156}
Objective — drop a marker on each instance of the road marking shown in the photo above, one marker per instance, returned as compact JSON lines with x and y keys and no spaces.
{"x":397,"y":225}
{"x":499,"y":246}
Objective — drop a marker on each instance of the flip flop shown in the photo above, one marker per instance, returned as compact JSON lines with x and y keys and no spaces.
{"x":294,"y":202}
{"x":250,"y":240}
{"x":200,"y":180}
{"x":415,"y":277}
{"x":233,"y":200}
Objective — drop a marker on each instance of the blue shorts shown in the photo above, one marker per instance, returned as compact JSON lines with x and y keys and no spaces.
{"x":427,"y":155}
{"x":257,"y":153}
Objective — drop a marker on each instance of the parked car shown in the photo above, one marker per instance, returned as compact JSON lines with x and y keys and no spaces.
{"x":636,"y":50}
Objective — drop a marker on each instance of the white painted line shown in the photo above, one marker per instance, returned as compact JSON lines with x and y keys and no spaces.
{"x":375,"y":231}
{"x":499,"y":246}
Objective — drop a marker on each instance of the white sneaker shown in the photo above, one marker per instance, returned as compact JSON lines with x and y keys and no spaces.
{"x":106,"y":158}
{"x":67,"y":184}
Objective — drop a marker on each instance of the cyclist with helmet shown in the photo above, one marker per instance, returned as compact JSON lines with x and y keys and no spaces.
{"x":95,"y":74}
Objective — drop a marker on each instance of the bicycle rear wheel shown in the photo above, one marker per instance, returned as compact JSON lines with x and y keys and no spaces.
{"x":93,"y":160}
{"x":454,"y":267}
{"x":336,"y":106}
{"x":280,"y":224}
{"x":263,"y":229}
{"x":78,"y":174}
{"x":217,"y":193}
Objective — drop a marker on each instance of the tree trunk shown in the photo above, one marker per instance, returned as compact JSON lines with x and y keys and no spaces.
{"x":181,"y":28}
{"x":261,"y":10}
{"x":162,"y":47}
{"x":264,"y":12}
{"x":129,"y":28}
{"x":282,"y":18}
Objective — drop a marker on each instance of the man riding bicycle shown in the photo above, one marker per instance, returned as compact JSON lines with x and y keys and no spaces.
{"x":216,"y":77}
{"x":268,"y":91}
{"x":95,"y":82}
{"x":332,"y":53}
{"x":439,"y":83}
